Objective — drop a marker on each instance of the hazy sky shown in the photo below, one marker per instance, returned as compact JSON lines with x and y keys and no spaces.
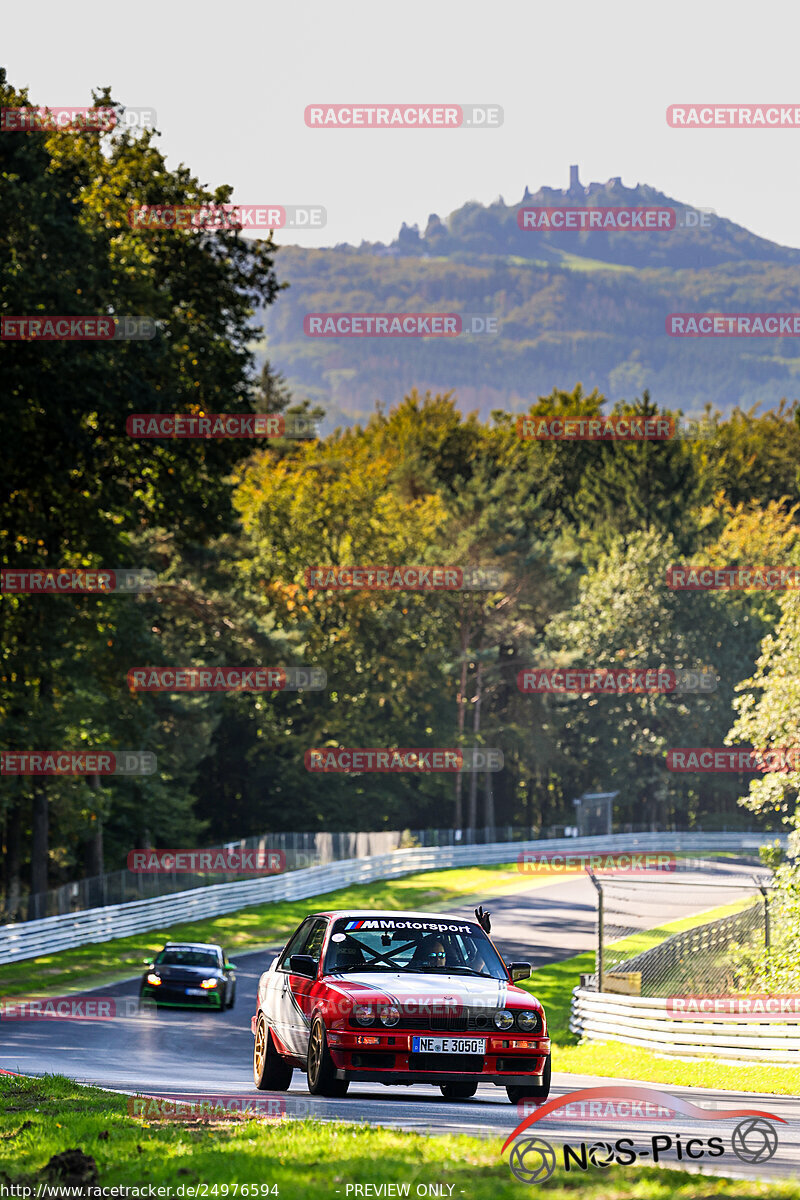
{"x":580,"y":82}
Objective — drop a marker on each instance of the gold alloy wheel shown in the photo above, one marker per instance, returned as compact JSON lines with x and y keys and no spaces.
{"x":315,"y":1049}
{"x":260,"y":1048}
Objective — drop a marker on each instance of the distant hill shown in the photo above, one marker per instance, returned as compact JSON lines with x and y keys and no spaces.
{"x":573,"y":306}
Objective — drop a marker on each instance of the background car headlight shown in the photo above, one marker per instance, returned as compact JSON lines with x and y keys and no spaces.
{"x":209,"y":983}
{"x":528,"y":1021}
{"x":389,"y":1014}
{"x":153,"y":980}
{"x":503,"y":1019}
{"x":363,"y":1014}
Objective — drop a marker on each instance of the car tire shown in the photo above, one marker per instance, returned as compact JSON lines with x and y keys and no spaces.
{"x":232,"y":1000}
{"x":320,"y":1071}
{"x":270,"y":1072}
{"x":458,"y":1091}
{"x":540,"y":1092}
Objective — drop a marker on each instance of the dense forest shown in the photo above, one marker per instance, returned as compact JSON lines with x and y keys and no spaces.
{"x":582,"y":532}
{"x":557,"y":322}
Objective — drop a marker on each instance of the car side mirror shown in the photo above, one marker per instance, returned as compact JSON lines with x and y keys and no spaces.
{"x":148,"y":962}
{"x":520,"y":970}
{"x":229,"y":966}
{"x":303,"y":964}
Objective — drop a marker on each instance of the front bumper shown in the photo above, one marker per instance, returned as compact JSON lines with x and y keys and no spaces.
{"x":175,"y":997}
{"x":399,"y":1077}
{"x":510,"y":1060}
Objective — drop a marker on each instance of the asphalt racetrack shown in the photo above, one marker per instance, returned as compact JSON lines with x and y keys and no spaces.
{"x":188,"y":1053}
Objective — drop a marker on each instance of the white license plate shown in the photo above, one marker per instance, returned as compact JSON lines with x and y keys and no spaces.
{"x":448,"y":1045}
{"x":195,"y":992}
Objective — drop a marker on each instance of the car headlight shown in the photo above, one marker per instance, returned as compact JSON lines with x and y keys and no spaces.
{"x":503,"y":1018}
{"x":153,"y":980}
{"x":209,"y":983}
{"x":364,"y":1014}
{"x":389,"y":1014}
{"x":528,"y":1020}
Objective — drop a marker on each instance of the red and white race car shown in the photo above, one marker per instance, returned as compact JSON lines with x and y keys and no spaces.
{"x":398,"y":998}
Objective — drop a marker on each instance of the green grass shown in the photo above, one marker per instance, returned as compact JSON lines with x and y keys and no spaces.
{"x":576,"y":262}
{"x":563,"y":258}
{"x":42,"y":1118}
{"x":553,"y":986}
{"x":252,"y":928}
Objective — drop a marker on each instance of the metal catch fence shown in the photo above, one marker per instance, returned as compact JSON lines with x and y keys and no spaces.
{"x":637,"y":952}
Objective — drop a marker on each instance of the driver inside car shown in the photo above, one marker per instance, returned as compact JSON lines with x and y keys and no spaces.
{"x":430,"y":953}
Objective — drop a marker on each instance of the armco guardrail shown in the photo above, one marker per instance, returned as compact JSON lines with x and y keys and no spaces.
{"x":31,"y":938}
{"x":643,"y":1021}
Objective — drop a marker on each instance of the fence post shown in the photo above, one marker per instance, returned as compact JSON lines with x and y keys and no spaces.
{"x":599,"y":888}
{"x":763,"y":889}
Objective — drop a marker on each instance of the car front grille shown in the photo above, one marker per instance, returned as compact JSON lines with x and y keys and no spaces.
{"x":455,"y":1023}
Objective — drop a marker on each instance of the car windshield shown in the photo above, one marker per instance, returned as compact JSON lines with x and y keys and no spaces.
{"x":187,"y":958}
{"x":411,"y":946}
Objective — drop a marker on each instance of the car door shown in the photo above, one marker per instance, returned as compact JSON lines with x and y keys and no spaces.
{"x":279,"y":999}
{"x":300,"y":988}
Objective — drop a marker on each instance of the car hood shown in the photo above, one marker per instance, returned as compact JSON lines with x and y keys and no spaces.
{"x":470,"y":991}
{"x":186,"y":974}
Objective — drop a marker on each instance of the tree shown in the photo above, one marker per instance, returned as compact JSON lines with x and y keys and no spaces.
{"x":84,"y":493}
{"x":625,"y":617}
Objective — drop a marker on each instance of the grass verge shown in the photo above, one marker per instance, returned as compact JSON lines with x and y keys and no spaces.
{"x":103,"y":1146}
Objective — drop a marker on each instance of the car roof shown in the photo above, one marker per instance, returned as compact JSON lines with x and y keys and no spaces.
{"x":401,"y":914}
{"x":192,"y":946}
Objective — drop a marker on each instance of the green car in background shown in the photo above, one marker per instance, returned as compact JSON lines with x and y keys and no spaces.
{"x":191,"y":975}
